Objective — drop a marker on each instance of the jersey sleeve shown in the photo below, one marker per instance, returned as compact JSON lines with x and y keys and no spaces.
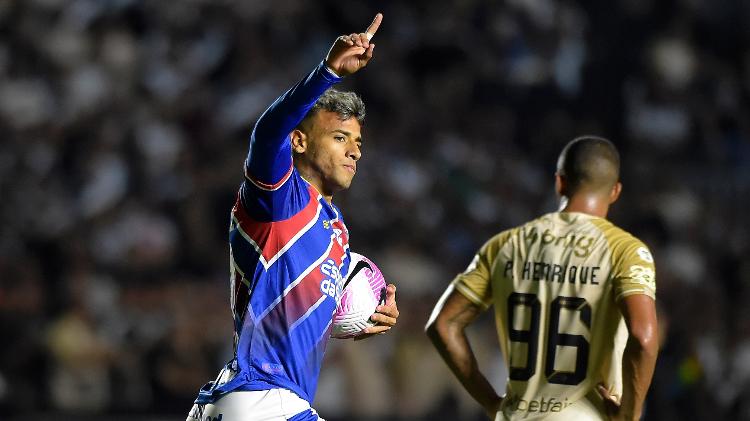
{"x":475,"y":282}
{"x":269,"y":160}
{"x":633,"y":270}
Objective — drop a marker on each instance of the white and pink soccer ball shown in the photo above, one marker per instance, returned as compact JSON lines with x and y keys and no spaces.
{"x":364,"y":289}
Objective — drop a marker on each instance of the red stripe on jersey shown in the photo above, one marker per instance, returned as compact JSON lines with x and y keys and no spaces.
{"x":300,"y":298}
{"x":343,"y":235}
{"x":269,"y":187}
{"x":271,"y":237}
{"x":241,"y":296}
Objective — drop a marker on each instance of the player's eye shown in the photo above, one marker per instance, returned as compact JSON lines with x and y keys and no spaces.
{"x":340,"y":138}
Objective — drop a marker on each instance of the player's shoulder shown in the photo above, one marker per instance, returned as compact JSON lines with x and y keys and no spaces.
{"x":278,"y":203}
{"x":615,"y":234}
{"x":622,"y":242}
{"x":498,"y":240}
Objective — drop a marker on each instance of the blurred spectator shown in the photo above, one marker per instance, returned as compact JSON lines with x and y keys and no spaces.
{"x":125,"y":123}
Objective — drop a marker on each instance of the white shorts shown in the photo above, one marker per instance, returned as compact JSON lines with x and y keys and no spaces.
{"x":261,"y":405}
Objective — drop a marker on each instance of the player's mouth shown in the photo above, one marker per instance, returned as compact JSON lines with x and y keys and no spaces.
{"x":352,"y":169}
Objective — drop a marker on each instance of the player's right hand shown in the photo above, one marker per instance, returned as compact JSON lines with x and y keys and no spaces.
{"x":386,"y":316}
{"x":493,"y":408}
{"x":349,"y":53}
{"x":611,"y":402}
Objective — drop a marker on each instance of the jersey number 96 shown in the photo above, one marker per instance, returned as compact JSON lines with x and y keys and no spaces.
{"x":554,"y":338}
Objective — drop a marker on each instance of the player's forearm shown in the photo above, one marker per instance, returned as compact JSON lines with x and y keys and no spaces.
{"x":638,"y":362}
{"x":454,"y":348}
{"x":271,"y":131}
{"x":290,"y":108}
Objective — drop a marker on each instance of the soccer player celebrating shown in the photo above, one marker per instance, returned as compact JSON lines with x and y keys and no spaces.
{"x":570,"y":291}
{"x":289,"y":244}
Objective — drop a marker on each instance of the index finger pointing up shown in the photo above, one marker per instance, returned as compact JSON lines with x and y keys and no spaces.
{"x":370,"y":32}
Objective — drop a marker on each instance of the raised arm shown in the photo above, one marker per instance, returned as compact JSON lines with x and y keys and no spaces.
{"x":269,"y":159}
{"x":447,"y":330}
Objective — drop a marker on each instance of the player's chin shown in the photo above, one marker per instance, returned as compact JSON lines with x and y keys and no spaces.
{"x":345,"y":182}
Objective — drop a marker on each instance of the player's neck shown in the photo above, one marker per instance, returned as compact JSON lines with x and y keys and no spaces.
{"x":585,"y":203}
{"x":328,"y":197}
{"x":314,"y":178}
{"x":317,"y":185}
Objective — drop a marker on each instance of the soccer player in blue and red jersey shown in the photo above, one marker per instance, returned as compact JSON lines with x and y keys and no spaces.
{"x":289,"y":246}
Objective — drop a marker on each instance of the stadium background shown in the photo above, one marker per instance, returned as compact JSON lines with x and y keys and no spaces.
{"x":124,"y":125}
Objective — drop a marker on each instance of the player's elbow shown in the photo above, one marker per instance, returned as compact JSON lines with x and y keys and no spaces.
{"x":449,"y":318}
{"x":431,"y":328}
{"x":437,"y":329}
{"x":645,"y":338}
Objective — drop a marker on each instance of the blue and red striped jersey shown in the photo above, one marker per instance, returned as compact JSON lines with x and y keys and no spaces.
{"x":289,"y":250}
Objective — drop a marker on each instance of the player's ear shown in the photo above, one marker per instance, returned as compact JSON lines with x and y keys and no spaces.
{"x":560,"y":185}
{"x":298,"y":140}
{"x":614,"y":194}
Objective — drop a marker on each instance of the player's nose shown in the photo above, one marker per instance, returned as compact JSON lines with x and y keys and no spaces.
{"x":354,"y":152}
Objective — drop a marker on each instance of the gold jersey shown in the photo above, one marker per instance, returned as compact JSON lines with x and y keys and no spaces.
{"x":555,"y":283}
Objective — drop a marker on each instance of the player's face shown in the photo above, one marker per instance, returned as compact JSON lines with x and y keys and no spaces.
{"x":331,"y":151}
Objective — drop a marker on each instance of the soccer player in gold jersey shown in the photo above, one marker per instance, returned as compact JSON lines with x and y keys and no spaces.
{"x":574,"y":304}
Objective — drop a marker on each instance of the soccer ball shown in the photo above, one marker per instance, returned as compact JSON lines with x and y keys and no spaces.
{"x":364,"y":289}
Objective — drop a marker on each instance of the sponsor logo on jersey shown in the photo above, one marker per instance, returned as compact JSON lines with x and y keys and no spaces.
{"x":643,"y":275}
{"x":645,"y":255}
{"x":581,"y":245}
{"x":333,"y":283}
{"x":550,"y":404}
{"x":272,"y":368}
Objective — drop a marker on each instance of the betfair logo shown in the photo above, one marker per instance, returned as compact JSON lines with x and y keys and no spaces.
{"x":549,"y":405}
{"x":581,"y":245}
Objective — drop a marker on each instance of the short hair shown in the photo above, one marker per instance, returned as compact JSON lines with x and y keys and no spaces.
{"x":589,"y":163}
{"x":345,"y":104}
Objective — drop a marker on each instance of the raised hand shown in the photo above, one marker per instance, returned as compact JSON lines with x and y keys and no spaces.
{"x":349,"y":53}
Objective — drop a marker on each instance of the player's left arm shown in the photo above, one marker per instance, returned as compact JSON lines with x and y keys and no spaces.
{"x":385,"y":315}
{"x":269,"y":158}
{"x":639,"y":357}
{"x":447,"y":330}
{"x":635,"y":293}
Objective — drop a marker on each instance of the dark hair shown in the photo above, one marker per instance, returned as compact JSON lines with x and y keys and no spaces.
{"x":345,"y":104}
{"x":589,"y":162}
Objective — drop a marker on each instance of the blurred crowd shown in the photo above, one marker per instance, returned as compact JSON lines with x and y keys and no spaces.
{"x":124,"y":127}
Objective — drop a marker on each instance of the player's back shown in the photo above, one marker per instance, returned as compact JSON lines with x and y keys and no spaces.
{"x":554,"y":283}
